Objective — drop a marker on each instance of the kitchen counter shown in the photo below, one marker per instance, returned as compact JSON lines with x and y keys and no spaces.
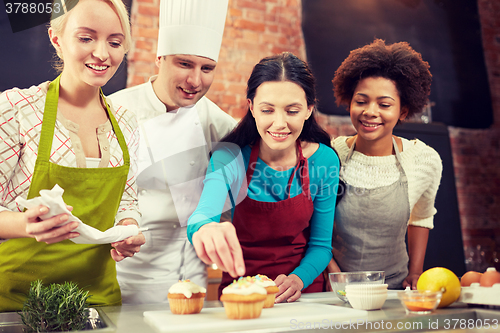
{"x":456,"y":318}
{"x":317,"y":311}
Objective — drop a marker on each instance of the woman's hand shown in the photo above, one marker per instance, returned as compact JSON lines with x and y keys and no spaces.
{"x":290,"y":288}
{"x":411,"y":281}
{"x":217,"y":243}
{"x":127,"y":247}
{"x":50,"y":230}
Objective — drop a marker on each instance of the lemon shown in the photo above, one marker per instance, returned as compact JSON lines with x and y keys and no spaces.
{"x":441,"y":279}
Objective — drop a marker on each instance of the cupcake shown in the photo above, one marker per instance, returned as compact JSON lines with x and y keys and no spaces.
{"x":270,"y":287}
{"x":186,"y":297}
{"x":243,"y":299}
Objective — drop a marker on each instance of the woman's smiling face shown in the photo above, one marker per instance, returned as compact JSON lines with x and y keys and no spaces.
{"x":280,"y":110}
{"x":375,"y":108}
{"x":91,"y":44}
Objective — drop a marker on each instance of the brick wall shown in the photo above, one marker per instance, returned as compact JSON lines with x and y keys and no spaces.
{"x":141,"y":57}
{"x":258,"y":28}
{"x":476,"y":153}
{"x":254,"y":29}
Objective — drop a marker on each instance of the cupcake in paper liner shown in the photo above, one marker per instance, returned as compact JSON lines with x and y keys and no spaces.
{"x":243,"y":299}
{"x":186,"y":297}
{"x":271,"y":289}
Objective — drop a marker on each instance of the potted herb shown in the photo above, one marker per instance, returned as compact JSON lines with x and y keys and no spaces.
{"x":56,"y":308}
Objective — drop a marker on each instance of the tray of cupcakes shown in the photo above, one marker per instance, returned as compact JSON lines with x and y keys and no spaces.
{"x":248,"y":303}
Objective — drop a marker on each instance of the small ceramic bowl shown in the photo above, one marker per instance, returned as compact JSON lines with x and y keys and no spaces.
{"x":366,"y":296}
{"x":419,"y":302}
{"x":338,"y":281}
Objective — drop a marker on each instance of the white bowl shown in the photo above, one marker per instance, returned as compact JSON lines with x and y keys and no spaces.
{"x":366,"y":299}
{"x":354,"y":287}
{"x":338,"y":281}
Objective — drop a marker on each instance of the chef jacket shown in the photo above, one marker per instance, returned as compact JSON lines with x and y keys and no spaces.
{"x":173,"y":157}
{"x":173,"y":151}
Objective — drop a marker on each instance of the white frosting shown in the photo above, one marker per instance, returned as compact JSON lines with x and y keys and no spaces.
{"x":187,"y":288}
{"x":246,"y":289}
{"x":265,"y":283}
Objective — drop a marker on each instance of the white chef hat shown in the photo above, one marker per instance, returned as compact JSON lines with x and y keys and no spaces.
{"x":191,"y":27}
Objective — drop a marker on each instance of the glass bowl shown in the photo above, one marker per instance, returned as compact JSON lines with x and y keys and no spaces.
{"x":338,"y":281}
{"x":420,"y":302}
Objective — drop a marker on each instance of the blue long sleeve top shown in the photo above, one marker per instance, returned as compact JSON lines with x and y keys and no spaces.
{"x":226,"y":174}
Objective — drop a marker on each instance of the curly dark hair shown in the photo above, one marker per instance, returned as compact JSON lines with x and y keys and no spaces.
{"x":397,"y":62}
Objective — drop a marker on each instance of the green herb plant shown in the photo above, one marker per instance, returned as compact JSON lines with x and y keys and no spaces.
{"x":56,"y":308}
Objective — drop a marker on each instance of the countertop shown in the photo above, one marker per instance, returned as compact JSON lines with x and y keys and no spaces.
{"x":459,"y":317}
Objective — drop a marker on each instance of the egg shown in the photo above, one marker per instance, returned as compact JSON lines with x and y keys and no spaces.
{"x":490,"y":277}
{"x":470,"y":277}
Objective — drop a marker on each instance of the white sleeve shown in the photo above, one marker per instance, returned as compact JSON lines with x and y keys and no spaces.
{"x":422,"y":214}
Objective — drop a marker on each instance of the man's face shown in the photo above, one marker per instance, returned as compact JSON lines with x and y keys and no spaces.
{"x":183,"y":79}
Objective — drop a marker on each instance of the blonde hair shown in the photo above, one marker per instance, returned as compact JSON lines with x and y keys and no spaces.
{"x":58,"y":23}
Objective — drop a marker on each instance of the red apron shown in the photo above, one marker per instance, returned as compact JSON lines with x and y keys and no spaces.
{"x":274,"y":235}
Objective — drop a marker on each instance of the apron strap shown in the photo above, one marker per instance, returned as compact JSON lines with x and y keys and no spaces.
{"x":182,"y":266}
{"x":398,"y":158}
{"x":117,"y":131}
{"x":253,"y":161}
{"x":49,"y":118}
{"x":301,"y":165}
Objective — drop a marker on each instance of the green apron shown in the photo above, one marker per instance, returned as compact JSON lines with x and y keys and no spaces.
{"x":95,"y":194}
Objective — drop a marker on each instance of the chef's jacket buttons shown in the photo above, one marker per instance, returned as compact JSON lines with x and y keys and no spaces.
{"x":143,"y":192}
{"x":196,"y":122}
{"x":105,"y":148}
{"x":103,"y":130}
{"x":192,"y":162}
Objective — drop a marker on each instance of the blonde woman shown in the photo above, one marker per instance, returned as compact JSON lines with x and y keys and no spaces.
{"x":65,"y":132}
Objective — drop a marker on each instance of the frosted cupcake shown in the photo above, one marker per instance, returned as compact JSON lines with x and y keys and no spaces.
{"x":270,"y":287}
{"x":243,"y":299}
{"x":186,"y":297}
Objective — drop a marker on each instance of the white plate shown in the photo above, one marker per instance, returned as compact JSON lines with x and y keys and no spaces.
{"x":293,"y":315}
{"x":329,"y":297}
{"x":392,"y":294}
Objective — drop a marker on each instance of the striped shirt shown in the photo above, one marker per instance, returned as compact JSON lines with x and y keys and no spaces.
{"x":21,"y":114}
